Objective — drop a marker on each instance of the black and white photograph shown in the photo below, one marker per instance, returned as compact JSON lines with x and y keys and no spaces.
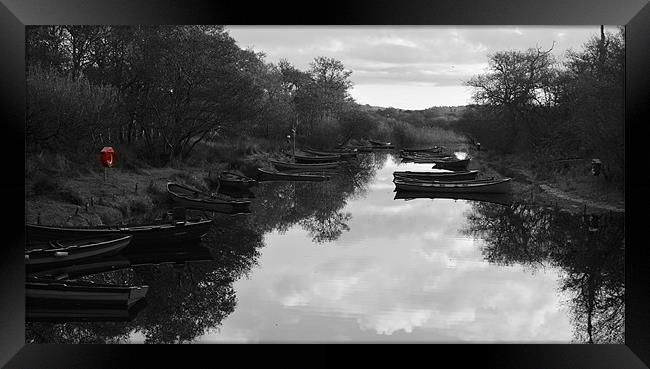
{"x":325,"y":184}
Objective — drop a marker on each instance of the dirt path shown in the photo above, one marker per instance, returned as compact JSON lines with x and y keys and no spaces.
{"x":526,"y":187}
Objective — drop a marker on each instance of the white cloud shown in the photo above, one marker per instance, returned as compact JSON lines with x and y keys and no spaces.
{"x":398,"y":65}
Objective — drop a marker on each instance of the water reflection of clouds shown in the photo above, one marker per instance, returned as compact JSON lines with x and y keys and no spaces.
{"x":397,"y":290}
{"x":402,"y":273}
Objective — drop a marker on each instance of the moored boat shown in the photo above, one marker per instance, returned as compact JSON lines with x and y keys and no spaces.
{"x":313,"y":159}
{"x":47,"y":254}
{"x":380,"y":144}
{"x":129,"y":258}
{"x":282,"y":165}
{"x":192,"y":198}
{"x":425,"y":150}
{"x":451,"y":164}
{"x":53,"y":291}
{"x":473,"y":186}
{"x":431,"y":158}
{"x":235,"y":180}
{"x":437,"y":176}
{"x":342,"y":154}
{"x":269,"y":175}
{"x":143,"y":235}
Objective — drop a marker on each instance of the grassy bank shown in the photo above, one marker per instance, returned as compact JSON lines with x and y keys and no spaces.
{"x":61,"y":192}
{"x":569,"y":185}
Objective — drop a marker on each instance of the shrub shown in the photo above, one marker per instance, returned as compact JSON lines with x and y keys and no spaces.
{"x":71,"y":195}
{"x":44,"y":185}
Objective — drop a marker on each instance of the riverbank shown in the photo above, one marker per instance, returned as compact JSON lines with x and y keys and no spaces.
{"x":575,"y":189}
{"x":58,"y":193}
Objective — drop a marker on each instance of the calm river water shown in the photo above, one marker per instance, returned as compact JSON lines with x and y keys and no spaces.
{"x":344,"y":261}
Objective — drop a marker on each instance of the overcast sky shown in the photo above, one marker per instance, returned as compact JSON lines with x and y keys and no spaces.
{"x":407,"y":67}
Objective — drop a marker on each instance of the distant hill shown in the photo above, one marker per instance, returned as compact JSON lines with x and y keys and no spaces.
{"x":437,"y":110}
{"x":441,"y":116}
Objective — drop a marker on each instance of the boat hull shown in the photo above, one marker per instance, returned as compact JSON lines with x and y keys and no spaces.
{"x":55,"y":256}
{"x":341,"y":154}
{"x":130,"y":258}
{"x":497,"y":186}
{"x":437,"y":176}
{"x":284,"y":165}
{"x":451,"y":164}
{"x":145,"y":235}
{"x":46,"y":291}
{"x":304,"y":159}
{"x":183,"y":196}
{"x":236,"y":182}
{"x":265,"y":175}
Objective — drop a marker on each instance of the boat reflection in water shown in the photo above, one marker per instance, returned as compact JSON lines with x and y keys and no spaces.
{"x":496,"y":198}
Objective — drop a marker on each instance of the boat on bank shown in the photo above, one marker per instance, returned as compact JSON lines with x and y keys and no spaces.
{"x":192,"y":198}
{"x":232,"y":179}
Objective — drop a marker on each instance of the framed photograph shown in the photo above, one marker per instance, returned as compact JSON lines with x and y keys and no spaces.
{"x":414,"y":174}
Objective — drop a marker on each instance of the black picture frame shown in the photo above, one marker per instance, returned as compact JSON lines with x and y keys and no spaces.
{"x":634,"y":14}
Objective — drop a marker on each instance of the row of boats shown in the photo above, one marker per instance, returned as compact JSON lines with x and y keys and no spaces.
{"x":454,"y":179}
{"x":56,"y":258}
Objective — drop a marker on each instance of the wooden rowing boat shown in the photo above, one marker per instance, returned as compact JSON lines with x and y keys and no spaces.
{"x":53,"y":291}
{"x":180,"y":231}
{"x":235,"y":180}
{"x":129,"y":258}
{"x":427,"y":158}
{"x":474,"y":186}
{"x":48,"y":254}
{"x":314,"y":159}
{"x":268,"y":175}
{"x":437,"y":176}
{"x":381,"y":145}
{"x":451,"y":164}
{"x":192,"y":198}
{"x":360,"y":148}
{"x":282,"y":165}
{"x":426,"y":150}
{"x":342,"y":154}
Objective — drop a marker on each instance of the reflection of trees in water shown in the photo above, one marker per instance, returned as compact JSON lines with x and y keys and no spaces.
{"x":187,"y":299}
{"x":316,"y":206}
{"x":183,"y":300}
{"x":588,"y":250}
{"x":326,"y":229}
